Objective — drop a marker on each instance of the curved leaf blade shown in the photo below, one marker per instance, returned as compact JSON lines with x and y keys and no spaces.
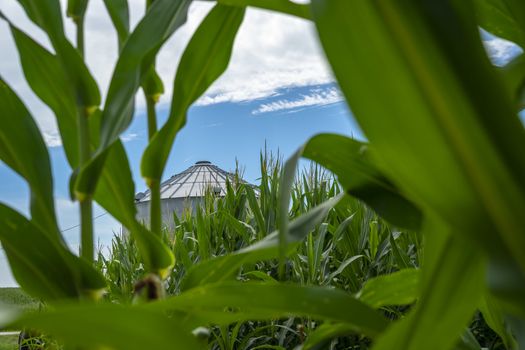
{"x":48,"y":16}
{"x":352,"y":163}
{"x":432,"y":76}
{"x":47,"y":79}
{"x":76,"y":9}
{"x":112,"y":326}
{"x":159,"y":23}
{"x":119,"y":13}
{"x":224,"y":267}
{"x":322,"y":335}
{"x":398,"y":288}
{"x":43,"y":267}
{"x":283,"y":6}
{"x":135,"y":60}
{"x":116,"y":194}
{"x":433,"y":324}
{"x":275,"y":301}
{"x":504,"y":18}
{"x":22,"y":148}
{"x":203,"y":61}
{"x":513,"y":74}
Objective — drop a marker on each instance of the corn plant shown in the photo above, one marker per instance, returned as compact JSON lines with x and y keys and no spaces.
{"x":443,"y":157}
{"x":351,"y":246}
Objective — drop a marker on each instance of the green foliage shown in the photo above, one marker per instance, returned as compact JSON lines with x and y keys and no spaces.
{"x":296,"y":261}
{"x":354,"y":166}
{"x":17,"y":297}
{"x":8,"y":342}
{"x":284,"y":6}
{"x":137,"y":55}
{"x":204,"y":60}
{"x":233,"y":240}
{"x":114,"y":326}
{"x":22,"y":148}
{"x":502,"y":18}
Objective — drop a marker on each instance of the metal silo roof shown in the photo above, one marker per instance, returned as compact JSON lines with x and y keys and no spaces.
{"x":192,"y":182}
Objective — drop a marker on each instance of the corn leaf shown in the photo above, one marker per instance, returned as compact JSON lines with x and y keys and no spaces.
{"x":433,"y":324}
{"x":135,"y":60}
{"x":47,"y":79}
{"x":47,"y":15}
{"x":468,"y":342}
{"x":514,"y":75}
{"x":115,"y":192}
{"x":493,"y":315}
{"x":203,"y":61}
{"x":285,"y":193}
{"x":351,"y":162}
{"x":42,"y":266}
{"x":225,"y":267}
{"x":274,"y":300}
{"x":256,"y":210}
{"x":504,"y":18}
{"x":22,"y":148}
{"x":283,"y":6}
{"x":320,"y":338}
{"x":111,"y":326}
{"x":434,"y":131}
{"x":119,"y":13}
{"x":76,"y":9}
{"x":398,"y":288}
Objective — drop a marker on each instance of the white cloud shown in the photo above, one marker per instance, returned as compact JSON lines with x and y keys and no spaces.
{"x":317,"y":97}
{"x":501,"y":51}
{"x":129,"y":137}
{"x":52,"y":139}
{"x":271,"y":52}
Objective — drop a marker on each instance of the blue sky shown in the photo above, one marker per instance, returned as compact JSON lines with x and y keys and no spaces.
{"x":278,"y":91}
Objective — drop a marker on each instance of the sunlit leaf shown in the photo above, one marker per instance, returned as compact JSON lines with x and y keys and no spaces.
{"x":398,"y":288}
{"x":285,"y":193}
